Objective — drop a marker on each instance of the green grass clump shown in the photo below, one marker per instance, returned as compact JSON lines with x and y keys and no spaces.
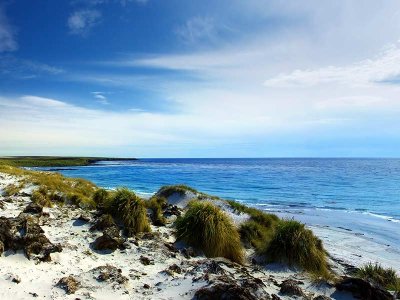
{"x":294,"y":244}
{"x":255,"y":234}
{"x":259,"y":229}
{"x":41,"y":197}
{"x":169,"y":190}
{"x":156,"y":205}
{"x":377,"y":274}
{"x":206,"y":227}
{"x":131,"y":210}
{"x":103,"y":199}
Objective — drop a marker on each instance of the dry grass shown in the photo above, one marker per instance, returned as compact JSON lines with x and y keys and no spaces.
{"x":169,"y":190}
{"x":294,"y":244}
{"x":206,"y":227}
{"x":156,"y":205}
{"x":387,"y":278}
{"x":56,"y":188}
{"x":131,"y":210}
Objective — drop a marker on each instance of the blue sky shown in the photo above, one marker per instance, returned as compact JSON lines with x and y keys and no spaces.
{"x":149,"y":78}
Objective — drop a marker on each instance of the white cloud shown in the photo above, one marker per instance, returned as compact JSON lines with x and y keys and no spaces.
{"x":197,"y":29}
{"x":82,"y":21}
{"x":383,"y":67}
{"x":7,"y":34}
{"x":100,"y":97}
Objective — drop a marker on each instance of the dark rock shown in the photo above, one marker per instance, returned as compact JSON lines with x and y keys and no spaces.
{"x":363,"y":289}
{"x":103,"y":222}
{"x":232,"y":291}
{"x":1,"y":205}
{"x":175,"y":268}
{"x":322,"y":297}
{"x":110,"y":273}
{"x":146,"y":261}
{"x":275,"y":297}
{"x":149,"y":235}
{"x":69,"y":284}
{"x":188,"y":252}
{"x":33,"y":208}
{"x":16,"y":279}
{"x":110,"y":240}
{"x":171,"y":247}
{"x":290,"y":287}
{"x":24,"y":233}
{"x":172,"y":210}
{"x":84,"y":218}
{"x":146,"y":286}
{"x":34,"y":295}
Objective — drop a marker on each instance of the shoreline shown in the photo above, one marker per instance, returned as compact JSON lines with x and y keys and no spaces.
{"x":66,"y":226}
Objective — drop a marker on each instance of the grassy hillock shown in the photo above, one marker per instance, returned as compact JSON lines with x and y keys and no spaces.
{"x":52,"y":187}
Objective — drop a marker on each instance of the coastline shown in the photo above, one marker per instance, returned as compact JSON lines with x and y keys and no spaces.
{"x":66,"y":226}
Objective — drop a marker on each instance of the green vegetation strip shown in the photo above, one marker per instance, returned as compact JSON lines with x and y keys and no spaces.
{"x":54,"y":161}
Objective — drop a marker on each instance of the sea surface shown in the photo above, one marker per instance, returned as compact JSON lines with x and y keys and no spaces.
{"x":364,"y":185}
{"x":360,"y":195}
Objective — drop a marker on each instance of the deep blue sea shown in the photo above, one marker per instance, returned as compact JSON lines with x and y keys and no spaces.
{"x":367,"y":186}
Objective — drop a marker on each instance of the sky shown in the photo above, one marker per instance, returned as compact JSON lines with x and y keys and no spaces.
{"x":227,"y":78}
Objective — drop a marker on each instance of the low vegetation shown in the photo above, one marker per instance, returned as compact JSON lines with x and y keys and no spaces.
{"x":206,"y":227}
{"x":156,"y":205}
{"x":12,"y":189}
{"x":53,"y":161}
{"x":169,"y":190}
{"x":127,"y":207}
{"x":386,"y":278}
{"x":53,"y":187}
{"x":102,"y":199}
{"x":294,"y":244}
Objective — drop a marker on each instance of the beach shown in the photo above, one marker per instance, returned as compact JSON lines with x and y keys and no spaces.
{"x":150,"y":267}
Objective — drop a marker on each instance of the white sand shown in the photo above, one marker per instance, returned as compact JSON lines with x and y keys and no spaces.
{"x":79,"y":260}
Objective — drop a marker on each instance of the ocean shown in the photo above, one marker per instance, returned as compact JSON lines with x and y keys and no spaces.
{"x":359,"y":196}
{"x":369,"y":186}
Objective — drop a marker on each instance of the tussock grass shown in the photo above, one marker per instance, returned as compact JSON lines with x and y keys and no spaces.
{"x":294,"y":244}
{"x":42,"y":198}
{"x":387,"y":278}
{"x":259,"y":229}
{"x":103,"y":199}
{"x":156,"y":205}
{"x":206,"y":227}
{"x":131,"y":210}
{"x":255,"y":234}
{"x":169,"y":190}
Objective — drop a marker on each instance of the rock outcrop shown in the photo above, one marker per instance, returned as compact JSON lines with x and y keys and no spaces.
{"x":24,"y":233}
{"x":363,"y":289}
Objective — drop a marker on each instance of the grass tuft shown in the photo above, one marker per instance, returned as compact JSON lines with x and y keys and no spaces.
{"x":206,"y":227}
{"x":169,"y":190}
{"x":294,"y":244}
{"x":131,"y":210}
{"x":387,"y":278}
{"x":12,"y":189}
{"x":156,"y":205}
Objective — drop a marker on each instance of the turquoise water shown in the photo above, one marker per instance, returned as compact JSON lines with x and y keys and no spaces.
{"x":367,"y":186}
